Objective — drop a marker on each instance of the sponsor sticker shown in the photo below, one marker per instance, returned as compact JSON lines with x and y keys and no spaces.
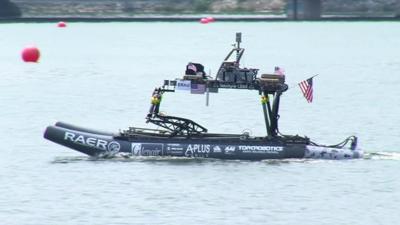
{"x":230,"y":149}
{"x":87,"y":141}
{"x":136,"y":148}
{"x":147,"y":149}
{"x":194,"y":150}
{"x":175,"y":149}
{"x":183,"y":85}
{"x":114,"y":147}
{"x":217,"y":149}
{"x":260,"y":149}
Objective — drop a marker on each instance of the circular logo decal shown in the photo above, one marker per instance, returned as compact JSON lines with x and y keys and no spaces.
{"x":114,"y":146}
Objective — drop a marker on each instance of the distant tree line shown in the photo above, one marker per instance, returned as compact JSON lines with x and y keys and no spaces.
{"x":366,"y":6}
{"x":9,"y":9}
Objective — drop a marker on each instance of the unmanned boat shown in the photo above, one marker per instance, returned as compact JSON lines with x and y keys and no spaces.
{"x":181,"y":137}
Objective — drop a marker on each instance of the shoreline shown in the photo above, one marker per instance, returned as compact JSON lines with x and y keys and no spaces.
{"x":190,"y":18}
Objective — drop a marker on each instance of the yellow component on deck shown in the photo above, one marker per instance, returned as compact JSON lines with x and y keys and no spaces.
{"x":154,"y":100}
{"x":264,"y":99}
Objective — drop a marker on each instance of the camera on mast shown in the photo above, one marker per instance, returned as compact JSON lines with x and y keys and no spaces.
{"x":238,"y":38}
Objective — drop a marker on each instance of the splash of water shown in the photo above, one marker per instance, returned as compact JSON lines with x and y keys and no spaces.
{"x":382,"y":156}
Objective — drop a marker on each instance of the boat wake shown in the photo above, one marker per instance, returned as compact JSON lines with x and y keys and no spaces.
{"x":382,"y":156}
{"x":126,"y":158}
{"x":170,"y":159}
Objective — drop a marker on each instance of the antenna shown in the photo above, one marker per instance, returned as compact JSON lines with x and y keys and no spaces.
{"x":238,"y":40}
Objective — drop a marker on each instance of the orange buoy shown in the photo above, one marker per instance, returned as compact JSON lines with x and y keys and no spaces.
{"x":204,"y":20}
{"x":62,"y":24}
{"x":210,"y":19}
{"x":30,"y":54}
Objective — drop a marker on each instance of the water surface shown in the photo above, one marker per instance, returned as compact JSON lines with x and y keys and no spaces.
{"x":101,"y":75}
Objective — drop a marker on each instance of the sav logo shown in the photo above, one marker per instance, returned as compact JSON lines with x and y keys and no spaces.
{"x":114,"y":146}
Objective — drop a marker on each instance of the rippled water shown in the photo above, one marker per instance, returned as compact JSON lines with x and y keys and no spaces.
{"x":101,"y":76}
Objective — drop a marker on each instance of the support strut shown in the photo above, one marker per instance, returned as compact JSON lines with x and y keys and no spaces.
{"x":264,"y":101}
{"x":270,"y":112}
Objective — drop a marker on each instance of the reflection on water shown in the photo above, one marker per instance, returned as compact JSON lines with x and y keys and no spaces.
{"x":126,"y":158}
{"x":189,"y":161}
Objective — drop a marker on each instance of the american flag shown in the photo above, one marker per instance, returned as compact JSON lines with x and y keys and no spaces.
{"x":306,"y":87}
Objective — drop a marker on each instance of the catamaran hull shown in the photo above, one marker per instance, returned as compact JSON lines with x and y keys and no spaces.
{"x":99,"y":144}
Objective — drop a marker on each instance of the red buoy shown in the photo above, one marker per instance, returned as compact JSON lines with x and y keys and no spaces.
{"x":30,"y":54}
{"x":62,"y":24}
{"x":210,"y":19}
{"x":204,"y":20}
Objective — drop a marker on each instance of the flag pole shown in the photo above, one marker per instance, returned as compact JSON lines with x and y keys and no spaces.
{"x":208,"y":90}
{"x":207,"y":96}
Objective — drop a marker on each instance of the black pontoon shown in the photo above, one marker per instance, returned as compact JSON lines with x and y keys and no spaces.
{"x":182,"y":137}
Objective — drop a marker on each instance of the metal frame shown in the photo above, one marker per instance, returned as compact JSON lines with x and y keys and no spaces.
{"x":178,"y":125}
{"x":182,"y":126}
